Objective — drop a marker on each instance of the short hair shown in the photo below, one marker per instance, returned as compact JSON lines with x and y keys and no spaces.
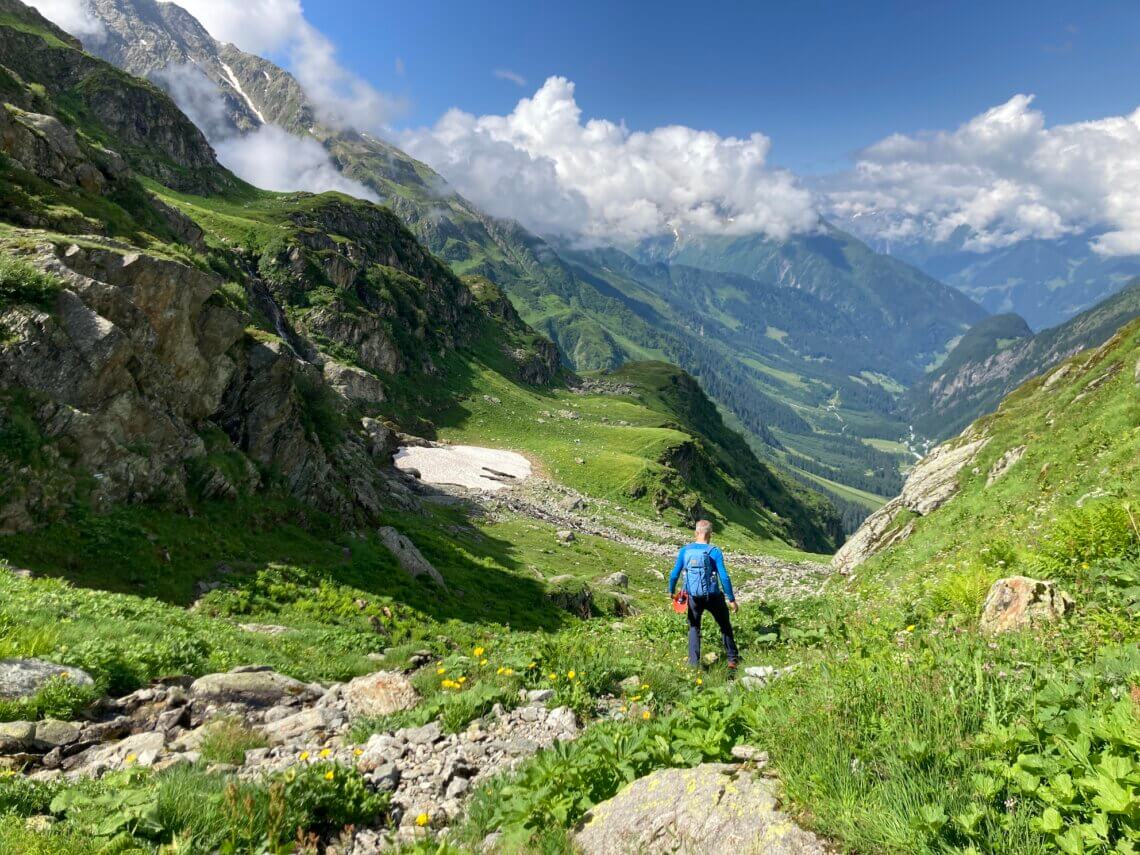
{"x":704,"y":527}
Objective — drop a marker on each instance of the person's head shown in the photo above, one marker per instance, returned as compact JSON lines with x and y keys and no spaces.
{"x":704,"y":531}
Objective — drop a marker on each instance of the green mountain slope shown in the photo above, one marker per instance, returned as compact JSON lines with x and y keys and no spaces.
{"x":298,"y":321}
{"x":913,"y":315}
{"x":1001,"y":352}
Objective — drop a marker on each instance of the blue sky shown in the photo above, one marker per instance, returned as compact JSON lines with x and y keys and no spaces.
{"x":820,"y":79}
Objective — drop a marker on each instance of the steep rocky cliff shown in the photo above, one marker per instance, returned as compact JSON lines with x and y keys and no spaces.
{"x":197,"y":346}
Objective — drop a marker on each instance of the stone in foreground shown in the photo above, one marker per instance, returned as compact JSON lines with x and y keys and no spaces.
{"x":22,"y":678}
{"x":710,"y":808}
{"x":1019,"y":601}
{"x":382,"y":693}
{"x":257,"y":688}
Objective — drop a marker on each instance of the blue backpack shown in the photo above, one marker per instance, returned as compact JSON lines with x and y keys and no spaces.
{"x":700,"y":572}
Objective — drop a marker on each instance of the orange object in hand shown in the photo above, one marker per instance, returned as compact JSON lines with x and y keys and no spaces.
{"x":681,"y":603}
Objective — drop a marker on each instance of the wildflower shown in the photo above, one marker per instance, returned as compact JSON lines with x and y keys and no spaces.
{"x":700,"y":682}
{"x":635,"y":698}
{"x":644,"y":687}
{"x":647,"y":715}
{"x":532,"y":665}
{"x":462,"y":680}
{"x":552,"y":676}
{"x":625,"y":709}
{"x":501,"y":670}
{"x":482,"y":662}
{"x":304,"y":755}
{"x":509,"y":671}
{"x":441,"y":670}
{"x":570,"y":675}
{"x":329,"y":775}
{"x":325,"y":752}
{"x":478,"y":652}
{"x":422,"y":820}
{"x":130,"y":758}
{"x":356,"y":752}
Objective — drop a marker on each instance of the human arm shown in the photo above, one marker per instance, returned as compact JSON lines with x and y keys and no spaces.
{"x":676,"y":572}
{"x":722,"y":571}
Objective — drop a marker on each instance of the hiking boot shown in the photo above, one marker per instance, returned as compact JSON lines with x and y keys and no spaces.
{"x":732,"y":666}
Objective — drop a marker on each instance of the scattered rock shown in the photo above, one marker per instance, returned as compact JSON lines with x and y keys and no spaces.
{"x":382,"y":693}
{"x":16,"y":736}
{"x":1019,"y":601}
{"x":22,"y":678}
{"x":1004,"y":463}
{"x":710,"y":808}
{"x":53,"y":733}
{"x":616,"y":580}
{"x":750,"y":754}
{"x":539,"y":696}
{"x":410,"y":558}
{"x":265,"y":628}
{"x":565,"y":536}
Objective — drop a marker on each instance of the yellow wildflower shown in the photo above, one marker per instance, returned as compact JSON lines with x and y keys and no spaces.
{"x":329,"y":775}
{"x":552,"y":676}
{"x":356,"y":752}
{"x":647,"y":715}
{"x":478,"y":652}
{"x":635,"y":698}
{"x":130,"y":758}
{"x":509,"y":671}
{"x":482,"y":662}
{"x":645,"y":687}
{"x":422,"y":820}
{"x":462,"y":680}
{"x":910,"y":628}
{"x":532,"y":665}
{"x":700,"y":682}
{"x":501,"y":670}
{"x":441,"y":670}
{"x":325,"y":752}
{"x":304,"y":755}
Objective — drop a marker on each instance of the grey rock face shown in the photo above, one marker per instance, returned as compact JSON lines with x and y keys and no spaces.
{"x":709,"y":808}
{"x":22,"y":678}
{"x":382,"y":693}
{"x":933,"y":482}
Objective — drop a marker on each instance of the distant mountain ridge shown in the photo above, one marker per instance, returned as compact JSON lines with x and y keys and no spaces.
{"x":1002,"y":352}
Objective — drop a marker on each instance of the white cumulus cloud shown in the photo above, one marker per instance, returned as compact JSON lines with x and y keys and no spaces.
{"x":598,"y":181}
{"x":279,"y":26}
{"x":1005,"y":176}
{"x":74,"y":16}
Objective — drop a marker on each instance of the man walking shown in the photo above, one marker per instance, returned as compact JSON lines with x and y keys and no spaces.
{"x":704,"y":567}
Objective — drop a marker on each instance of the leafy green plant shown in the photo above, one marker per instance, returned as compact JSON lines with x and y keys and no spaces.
{"x":322,"y":798}
{"x":22,"y":283}
{"x":228,"y":739}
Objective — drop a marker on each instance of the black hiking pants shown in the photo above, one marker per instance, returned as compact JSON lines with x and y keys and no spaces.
{"x":717,"y":606}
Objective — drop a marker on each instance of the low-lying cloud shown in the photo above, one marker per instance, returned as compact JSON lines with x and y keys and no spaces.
{"x":598,"y":181}
{"x":343,"y":99}
{"x":74,"y":16}
{"x":1004,"y":176}
{"x":268,"y":157}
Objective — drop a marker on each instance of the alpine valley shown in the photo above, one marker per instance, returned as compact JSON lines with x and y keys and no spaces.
{"x":340,"y":522}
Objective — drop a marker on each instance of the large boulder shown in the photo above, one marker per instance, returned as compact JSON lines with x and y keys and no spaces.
{"x":1019,"y":601}
{"x":410,"y":558}
{"x":710,"y":808}
{"x":251,"y":687}
{"x":382,"y":693}
{"x":22,"y":678}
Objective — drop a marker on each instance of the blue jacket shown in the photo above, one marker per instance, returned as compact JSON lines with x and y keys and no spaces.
{"x":718,"y":559}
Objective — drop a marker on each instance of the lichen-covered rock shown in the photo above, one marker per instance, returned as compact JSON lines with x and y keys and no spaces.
{"x":709,"y":808}
{"x":382,"y":693}
{"x":1018,"y":602}
{"x":22,"y":678}
{"x":259,"y":688}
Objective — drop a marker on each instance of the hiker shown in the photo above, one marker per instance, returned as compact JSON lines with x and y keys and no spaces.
{"x":703,"y":564}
